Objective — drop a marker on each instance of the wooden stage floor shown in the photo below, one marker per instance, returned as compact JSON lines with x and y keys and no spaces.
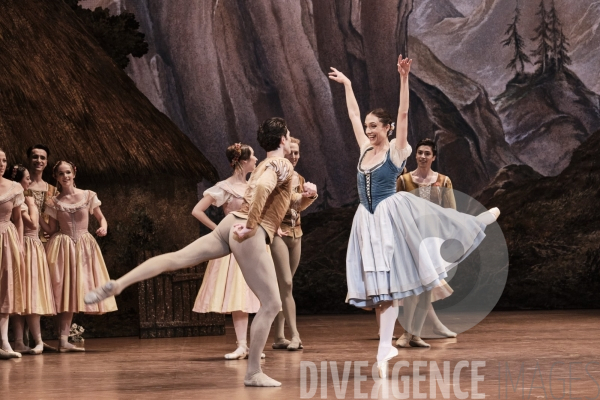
{"x":556,"y":352}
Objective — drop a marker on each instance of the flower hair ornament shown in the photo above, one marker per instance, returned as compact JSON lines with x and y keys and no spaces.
{"x":238,"y":154}
{"x":14,"y":172}
{"x":392,"y":127}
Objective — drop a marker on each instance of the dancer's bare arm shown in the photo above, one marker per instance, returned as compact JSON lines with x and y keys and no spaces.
{"x":353,"y":111}
{"x":31,"y":215}
{"x":103,"y":230}
{"x":402,"y":123}
{"x":199,"y":211}
{"x":18,"y":222}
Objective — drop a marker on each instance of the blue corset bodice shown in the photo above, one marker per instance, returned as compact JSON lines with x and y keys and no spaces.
{"x":377,"y":183}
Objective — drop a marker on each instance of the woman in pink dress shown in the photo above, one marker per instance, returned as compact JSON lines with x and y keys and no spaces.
{"x":74,"y":258}
{"x":37,"y":287}
{"x":224,"y":289}
{"x":11,"y":257}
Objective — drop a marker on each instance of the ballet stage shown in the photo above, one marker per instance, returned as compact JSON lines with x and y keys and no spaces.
{"x":510,"y":355}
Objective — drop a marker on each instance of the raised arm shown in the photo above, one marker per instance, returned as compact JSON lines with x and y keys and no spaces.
{"x":402,"y":124}
{"x":353,"y":111}
{"x":200,"y":214}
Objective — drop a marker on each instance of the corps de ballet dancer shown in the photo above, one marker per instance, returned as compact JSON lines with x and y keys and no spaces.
{"x":285,"y":249}
{"x":11,"y":255}
{"x":390,"y":257}
{"x":243,"y":233}
{"x":37,"y":287}
{"x":224,"y":289}
{"x":74,"y":258}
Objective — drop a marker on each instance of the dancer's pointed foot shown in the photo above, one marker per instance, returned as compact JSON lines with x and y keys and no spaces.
{"x":416,"y":341}
{"x":49,"y":348}
{"x":8,"y":352}
{"x":404,"y":340}
{"x":69,"y":348}
{"x":239,"y":354}
{"x":281,"y":344}
{"x":295,"y":344}
{"x":445,"y":332}
{"x":103,"y":292}
{"x":382,"y":366}
{"x":37,"y":350}
{"x":261,"y":380}
{"x":490,"y":216}
{"x":21,"y":348}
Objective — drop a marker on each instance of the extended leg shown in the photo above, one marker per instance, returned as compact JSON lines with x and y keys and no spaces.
{"x":259,"y":272}
{"x":386,"y":351}
{"x":211,"y":246}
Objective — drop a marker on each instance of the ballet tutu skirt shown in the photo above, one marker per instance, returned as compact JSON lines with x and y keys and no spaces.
{"x":396,"y":251}
{"x":224,"y":289}
{"x":38,"y":294}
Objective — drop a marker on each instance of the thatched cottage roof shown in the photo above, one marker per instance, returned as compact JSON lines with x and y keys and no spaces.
{"x":58,"y":87}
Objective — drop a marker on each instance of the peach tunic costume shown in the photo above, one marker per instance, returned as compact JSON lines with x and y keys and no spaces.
{"x":11,"y":259}
{"x":224,"y":289}
{"x":74,"y":258}
{"x":41,"y":198}
{"x":37,"y":293}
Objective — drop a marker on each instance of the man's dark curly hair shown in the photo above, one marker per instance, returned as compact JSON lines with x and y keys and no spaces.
{"x":270,"y":132}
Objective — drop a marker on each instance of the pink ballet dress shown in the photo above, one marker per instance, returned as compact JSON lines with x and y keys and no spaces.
{"x":11,"y":259}
{"x":224,"y":289}
{"x":74,"y":258}
{"x":37,"y":293}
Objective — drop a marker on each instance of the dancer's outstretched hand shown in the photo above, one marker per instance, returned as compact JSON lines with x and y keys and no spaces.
{"x":404,"y":66}
{"x":337,"y":76}
{"x":241,"y":230}
{"x":309,"y":189}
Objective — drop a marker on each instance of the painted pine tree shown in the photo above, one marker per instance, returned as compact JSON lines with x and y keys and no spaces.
{"x":516,"y":40}
{"x":542,"y":36}
{"x":562,"y":55}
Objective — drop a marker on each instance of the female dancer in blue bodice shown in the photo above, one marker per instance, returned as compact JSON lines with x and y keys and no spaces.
{"x":394,"y":249}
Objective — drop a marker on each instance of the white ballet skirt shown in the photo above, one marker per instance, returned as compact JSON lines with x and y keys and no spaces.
{"x":394,"y":252}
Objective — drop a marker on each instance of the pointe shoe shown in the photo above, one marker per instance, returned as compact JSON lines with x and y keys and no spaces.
{"x":416,"y":341}
{"x":237,"y":355}
{"x":404,"y":340}
{"x":36,"y":352}
{"x":495,"y":212}
{"x":101,"y":293}
{"x":261,"y":380}
{"x":445,"y":332}
{"x":382,"y":366}
{"x":49,"y":348}
{"x":295,"y":344}
{"x":5,"y":354}
{"x":281,"y":344}
{"x":490,"y":216}
{"x":73,"y":349}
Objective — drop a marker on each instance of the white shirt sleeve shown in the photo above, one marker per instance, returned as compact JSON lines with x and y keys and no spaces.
{"x":399,"y":156}
{"x":219,"y":194}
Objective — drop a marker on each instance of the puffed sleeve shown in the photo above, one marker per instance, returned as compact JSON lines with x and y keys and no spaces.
{"x":93,"y":202}
{"x":49,"y":210}
{"x":18,"y":200}
{"x":219,"y":194}
{"x":399,"y":156}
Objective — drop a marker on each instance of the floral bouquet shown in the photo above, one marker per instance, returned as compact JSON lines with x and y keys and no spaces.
{"x":76,"y":332}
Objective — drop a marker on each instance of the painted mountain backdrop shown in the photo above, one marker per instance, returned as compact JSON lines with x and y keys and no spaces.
{"x":217,"y":68}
